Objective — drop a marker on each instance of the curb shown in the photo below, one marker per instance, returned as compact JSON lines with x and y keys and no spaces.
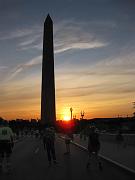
{"x":108,"y":159}
{"x":129,"y":170}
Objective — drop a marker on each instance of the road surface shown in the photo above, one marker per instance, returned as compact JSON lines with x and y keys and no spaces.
{"x":120,"y":154}
{"x":29,"y":162}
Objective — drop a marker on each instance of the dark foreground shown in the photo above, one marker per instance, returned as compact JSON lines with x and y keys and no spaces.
{"x":30,"y":163}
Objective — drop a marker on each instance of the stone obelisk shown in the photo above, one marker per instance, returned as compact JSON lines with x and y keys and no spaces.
{"x":48,"y":112}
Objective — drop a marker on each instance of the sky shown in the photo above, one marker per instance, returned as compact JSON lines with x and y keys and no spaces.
{"x":94,"y":46}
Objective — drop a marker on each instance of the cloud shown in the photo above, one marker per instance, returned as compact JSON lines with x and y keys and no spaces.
{"x":16,"y":34}
{"x":3,"y":68}
{"x":79,"y":45}
{"x":106,"y":88}
{"x":27,"y":42}
{"x":21,"y":33}
{"x":20,"y":95}
{"x":68,"y":35}
{"x":33,"y":62}
{"x":110,"y":78}
{"x":31,"y":42}
{"x":3,"y":72}
{"x":72,"y":35}
{"x":122,"y":64}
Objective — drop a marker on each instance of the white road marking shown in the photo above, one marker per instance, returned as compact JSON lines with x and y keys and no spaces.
{"x":105,"y":158}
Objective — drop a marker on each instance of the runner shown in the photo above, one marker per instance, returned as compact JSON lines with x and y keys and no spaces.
{"x":93,"y":146}
{"x":119,"y":139}
{"x":48,"y":141}
{"x":67,"y":143}
{"x":6,"y":145}
{"x":37,"y":133}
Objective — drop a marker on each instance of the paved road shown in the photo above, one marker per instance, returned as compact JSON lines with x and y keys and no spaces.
{"x":120,"y":154}
{"x":30,"y":163}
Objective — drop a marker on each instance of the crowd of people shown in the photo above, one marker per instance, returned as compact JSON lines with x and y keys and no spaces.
{"x":48,"y":137}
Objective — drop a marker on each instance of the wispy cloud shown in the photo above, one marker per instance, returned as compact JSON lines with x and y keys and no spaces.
{"x":78,"y":45}
{"x":27,"y":42}
{"x":3,"y":72}
{"x":33,"y":62}
{"x":122,"y":64}
{"x":15,"y":34}
{"x":20,"y":33}
{"x":3,"y":68}
{"x":68,"y":35}
{"x":106,"y":89}
{"x":111,"y":78}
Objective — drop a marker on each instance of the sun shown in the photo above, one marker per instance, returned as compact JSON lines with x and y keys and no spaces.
{"x":66,"y":118}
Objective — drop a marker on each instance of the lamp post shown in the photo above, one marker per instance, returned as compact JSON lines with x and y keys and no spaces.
{"x":71,"y":109}
{"x":134,"y":108}
{"x":82,"y":114}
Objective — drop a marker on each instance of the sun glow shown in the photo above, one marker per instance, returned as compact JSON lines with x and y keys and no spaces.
{"x":66,"y":118}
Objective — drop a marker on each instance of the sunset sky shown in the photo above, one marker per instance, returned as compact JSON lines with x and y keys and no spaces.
{"x":94,"y":42}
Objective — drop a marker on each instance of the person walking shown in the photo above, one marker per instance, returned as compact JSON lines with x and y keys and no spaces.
{"x":49,"y":144}
{"x":93,"y":146}
{"x":119,"y":139}
{"x":67,"y":143}
{"x":6,"y":145}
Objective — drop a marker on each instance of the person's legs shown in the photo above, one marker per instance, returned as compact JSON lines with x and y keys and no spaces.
{"x":89,"y":159}
{"x":8,"y":162}
{"x":68,"y":148}
{"x":98,"y":160}
{"x":8,"y":152}
{"x":48,"y":153}
{"x":53,"y":153}
{"x":2,"y":147}
{"x":1,"y":160}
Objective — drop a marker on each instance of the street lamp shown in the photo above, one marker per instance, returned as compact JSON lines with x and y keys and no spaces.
{"x":134,"y":108}
{"x":71,"y":109}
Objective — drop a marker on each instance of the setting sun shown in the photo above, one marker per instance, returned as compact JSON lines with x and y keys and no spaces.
{"x":66,"y":118}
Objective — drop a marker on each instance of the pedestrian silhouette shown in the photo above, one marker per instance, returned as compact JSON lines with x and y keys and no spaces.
{"x":67,"y":143}
{"x":49,"y":145}
{"x":119,"y":138}
{"x":93,"y":146}
{"x":6,"y":145}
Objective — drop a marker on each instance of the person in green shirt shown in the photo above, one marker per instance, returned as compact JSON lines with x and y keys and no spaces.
{"x":6,"y":144}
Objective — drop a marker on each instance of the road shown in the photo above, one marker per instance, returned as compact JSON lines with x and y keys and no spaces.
{"x":120,"y":154}
{"x":29,"y":162}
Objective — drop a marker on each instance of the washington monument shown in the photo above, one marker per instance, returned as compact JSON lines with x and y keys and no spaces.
{"x":48,"y":114}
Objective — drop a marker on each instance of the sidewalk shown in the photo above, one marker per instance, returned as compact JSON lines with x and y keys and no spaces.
{"x":120,"y":154}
